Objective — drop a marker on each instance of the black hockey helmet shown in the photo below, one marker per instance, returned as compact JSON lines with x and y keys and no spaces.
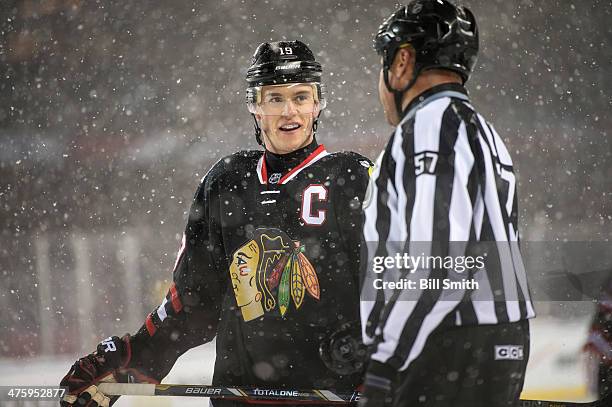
{"x":442,"y":35}
{"x":276,"y":63}
{"x":279,"y":63}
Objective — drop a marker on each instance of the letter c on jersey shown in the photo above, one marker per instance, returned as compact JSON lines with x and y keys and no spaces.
{"x":313,"y":192}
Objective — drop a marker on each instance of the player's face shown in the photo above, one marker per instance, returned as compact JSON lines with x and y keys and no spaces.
{"x":286,"y":114}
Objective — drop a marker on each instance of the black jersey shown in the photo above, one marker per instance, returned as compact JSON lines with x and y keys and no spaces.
{"x":269,"y":266}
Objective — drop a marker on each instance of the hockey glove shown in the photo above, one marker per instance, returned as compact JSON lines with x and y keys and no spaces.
{"x":376,"y":392}
{"x":109,"y":363}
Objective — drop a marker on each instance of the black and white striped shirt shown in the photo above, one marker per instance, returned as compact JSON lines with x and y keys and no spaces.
{"x":444,"y":186}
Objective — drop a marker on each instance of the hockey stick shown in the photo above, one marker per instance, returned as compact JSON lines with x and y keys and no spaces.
{"x":247,"y":394}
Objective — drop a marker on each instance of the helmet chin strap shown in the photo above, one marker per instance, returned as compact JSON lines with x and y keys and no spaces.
{"x":315,"y":124}
{"x":257,"y":131}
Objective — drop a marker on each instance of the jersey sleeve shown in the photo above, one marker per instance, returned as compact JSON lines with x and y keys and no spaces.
{"x":189,"y":313}
{"x":425,"y":194}
{"x":350,"y":191}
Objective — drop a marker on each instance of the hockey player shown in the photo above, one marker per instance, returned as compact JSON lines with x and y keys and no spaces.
{"x":444,"y":187}
{"x":599,"y":343}
{"x":269,"y":259}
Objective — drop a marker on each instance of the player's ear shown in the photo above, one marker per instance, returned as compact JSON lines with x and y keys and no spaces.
{"x":402,"y":67}
{"x":316,"y":111}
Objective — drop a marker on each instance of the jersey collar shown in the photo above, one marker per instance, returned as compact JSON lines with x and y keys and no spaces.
{"x":262,"y":172}
{"x":454,"y":90}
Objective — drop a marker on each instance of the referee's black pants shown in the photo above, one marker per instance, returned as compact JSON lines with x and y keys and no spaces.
{"x":469,"y":366}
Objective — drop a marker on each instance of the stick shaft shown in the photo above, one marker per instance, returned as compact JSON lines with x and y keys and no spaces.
{"x":234,"y":393}
{"x":313,"y":396}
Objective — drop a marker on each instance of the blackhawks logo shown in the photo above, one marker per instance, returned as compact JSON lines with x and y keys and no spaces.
{"x":270,"y":271}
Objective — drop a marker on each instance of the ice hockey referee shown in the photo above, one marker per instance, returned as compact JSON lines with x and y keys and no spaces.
{"x":444,"y":185}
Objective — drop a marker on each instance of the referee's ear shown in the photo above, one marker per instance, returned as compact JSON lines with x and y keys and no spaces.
{"x":402,"y":68}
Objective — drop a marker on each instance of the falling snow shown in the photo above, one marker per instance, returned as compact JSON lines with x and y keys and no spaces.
{"x":112,"y":111}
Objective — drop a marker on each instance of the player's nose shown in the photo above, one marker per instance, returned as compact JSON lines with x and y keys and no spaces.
{"x":290,"y":108}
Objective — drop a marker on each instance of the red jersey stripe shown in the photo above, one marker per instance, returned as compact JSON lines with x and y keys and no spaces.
{"x":151,"y":328}
{"x":174,"y":297}
{"x":264,"y":170}
{"x":304,"y":163}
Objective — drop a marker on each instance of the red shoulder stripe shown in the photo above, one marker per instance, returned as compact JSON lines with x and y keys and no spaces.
{"x":151,"y":328}
{"x":176,"y":301}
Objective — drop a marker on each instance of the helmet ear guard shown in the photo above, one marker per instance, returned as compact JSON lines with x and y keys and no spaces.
{"x":253,"y":98}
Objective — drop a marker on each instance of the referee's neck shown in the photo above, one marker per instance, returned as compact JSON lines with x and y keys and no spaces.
{"x":427,"y":80}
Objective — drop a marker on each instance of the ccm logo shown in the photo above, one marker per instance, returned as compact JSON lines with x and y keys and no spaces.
{"x":508,"y":352}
